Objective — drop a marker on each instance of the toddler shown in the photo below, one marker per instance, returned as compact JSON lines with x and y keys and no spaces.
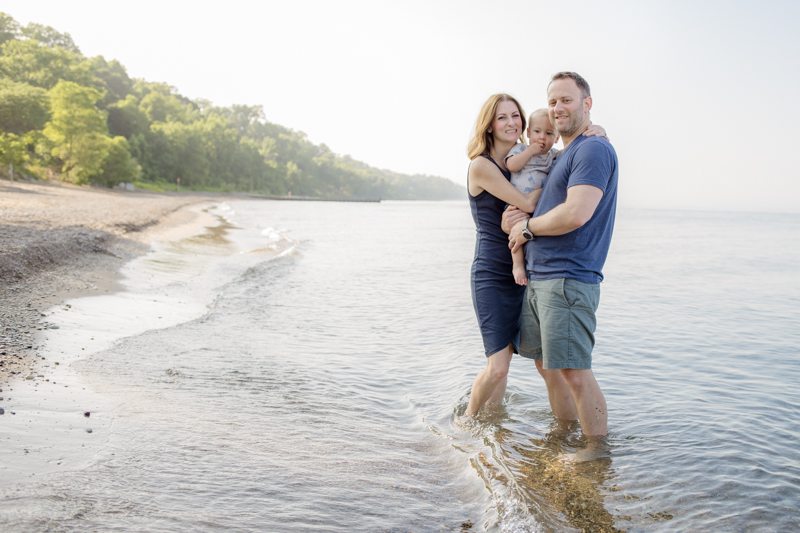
{"x":529,"y":165}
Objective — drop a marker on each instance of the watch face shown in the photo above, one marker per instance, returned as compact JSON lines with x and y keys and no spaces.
{"x":527,"y":234}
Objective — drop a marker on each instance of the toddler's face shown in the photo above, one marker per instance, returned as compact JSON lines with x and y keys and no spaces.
{"x":541,"y":132}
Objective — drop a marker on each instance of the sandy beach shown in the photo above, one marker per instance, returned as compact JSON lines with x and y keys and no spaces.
{"x":60,"y":241}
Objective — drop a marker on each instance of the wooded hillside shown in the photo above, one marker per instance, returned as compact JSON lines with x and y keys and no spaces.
{"x":84,"y":120}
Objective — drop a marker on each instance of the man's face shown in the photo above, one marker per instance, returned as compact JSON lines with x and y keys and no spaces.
{"x":568,"y":109}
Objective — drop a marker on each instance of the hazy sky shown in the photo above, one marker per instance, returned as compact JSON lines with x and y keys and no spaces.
{"x":698,"y":97}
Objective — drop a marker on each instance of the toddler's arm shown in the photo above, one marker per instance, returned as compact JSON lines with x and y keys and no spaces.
{"x":517,"y":161}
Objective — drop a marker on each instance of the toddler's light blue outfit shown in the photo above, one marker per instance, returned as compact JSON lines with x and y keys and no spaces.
{"x":533,"y":174}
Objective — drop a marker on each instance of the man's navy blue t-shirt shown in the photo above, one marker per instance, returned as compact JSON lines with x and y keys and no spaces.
{"x":579,"y":254}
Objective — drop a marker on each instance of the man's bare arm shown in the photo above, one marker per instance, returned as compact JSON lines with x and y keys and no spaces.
{"x":581,"y":202}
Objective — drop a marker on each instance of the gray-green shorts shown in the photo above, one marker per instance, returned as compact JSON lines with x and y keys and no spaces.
{"x":558,"y":322}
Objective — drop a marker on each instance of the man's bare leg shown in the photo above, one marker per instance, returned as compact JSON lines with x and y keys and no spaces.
{"x":559,"y":394}
{"x":589,"y":401}
{"x":493,"y":376}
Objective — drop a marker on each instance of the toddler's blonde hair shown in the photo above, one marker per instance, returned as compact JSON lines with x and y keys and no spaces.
{"x":545,"y":112}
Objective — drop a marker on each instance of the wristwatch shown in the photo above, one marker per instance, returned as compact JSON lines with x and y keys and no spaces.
{"x":528,"y":234}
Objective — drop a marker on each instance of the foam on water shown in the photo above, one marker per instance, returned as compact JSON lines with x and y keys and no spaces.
{"x":303,"y":366}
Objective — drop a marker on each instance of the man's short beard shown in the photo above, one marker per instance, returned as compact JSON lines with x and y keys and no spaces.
{"x":569,"y":129}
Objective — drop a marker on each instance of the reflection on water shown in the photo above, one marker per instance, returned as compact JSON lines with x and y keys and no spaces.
{"x":558,"y":478}
{"x":313,"y":360}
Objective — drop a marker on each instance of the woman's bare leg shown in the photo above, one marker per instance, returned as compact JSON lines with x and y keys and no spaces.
{"x":492,"y":377}
{"x":499,"y":393}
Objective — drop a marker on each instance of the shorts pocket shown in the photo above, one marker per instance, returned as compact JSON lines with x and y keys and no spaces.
{"x":579,"y":294}
{"x":571,"y":292}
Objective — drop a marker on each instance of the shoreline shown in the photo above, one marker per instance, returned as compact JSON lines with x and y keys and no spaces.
{"x":61,"y":241}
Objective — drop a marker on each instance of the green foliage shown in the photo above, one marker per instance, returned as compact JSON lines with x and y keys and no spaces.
{"x":77,"y":131}
{"x":29,"y":62}
{"x":118,"y":165}
{"x":126,"y":119}
{"x":160,"y":107}
{"x":9,"y":28}
{"x":22,"y":107}
{"x":112,"y":78}
{"x":47,"y":36}
{"x":91,"y":121}
{"x":12,"y":150}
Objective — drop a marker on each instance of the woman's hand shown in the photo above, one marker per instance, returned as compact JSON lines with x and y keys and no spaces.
{"x":511,"y":217}
{"x":596,"y":131}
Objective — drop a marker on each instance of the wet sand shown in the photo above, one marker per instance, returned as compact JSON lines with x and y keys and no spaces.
{"x":60,"y":241}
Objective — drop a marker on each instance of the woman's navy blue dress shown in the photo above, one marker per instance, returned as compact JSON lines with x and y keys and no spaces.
{"x":496,"y":296}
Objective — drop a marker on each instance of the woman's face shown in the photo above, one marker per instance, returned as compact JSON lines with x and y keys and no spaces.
{"x":507,"y":123}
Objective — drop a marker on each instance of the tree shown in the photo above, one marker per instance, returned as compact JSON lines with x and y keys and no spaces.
{"x":22,"y":107}
{"x":47,"y":36}
{"x":221,"y":147}
{"x":9,"y":28}
{"x":12,"y":150}
{"x":118,"y":165}
{"x":112,"y":78}
{"x":77,"y":131}
{"x":160,"y":107}
{"x":177,"y":150}
{"x":28,"y":62}
{"x":241,"y":117}
{"x":126,"y":119}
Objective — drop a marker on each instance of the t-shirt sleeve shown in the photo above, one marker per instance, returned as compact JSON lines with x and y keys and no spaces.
{"x":593,"y":164}
{"x":517,"y":149}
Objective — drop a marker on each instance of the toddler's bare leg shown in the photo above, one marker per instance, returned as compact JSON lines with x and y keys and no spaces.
{"x":520,"y":275}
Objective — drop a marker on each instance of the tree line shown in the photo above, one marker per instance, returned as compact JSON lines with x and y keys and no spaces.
{"x":84,"y":120}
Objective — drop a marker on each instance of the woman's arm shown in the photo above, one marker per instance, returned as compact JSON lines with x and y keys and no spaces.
{"x":485,"y":176}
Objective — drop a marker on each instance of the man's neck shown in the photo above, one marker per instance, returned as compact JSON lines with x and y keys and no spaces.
{"x":567,"y":140}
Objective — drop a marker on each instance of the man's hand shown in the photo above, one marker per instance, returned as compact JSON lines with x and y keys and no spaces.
{"x":515,"y":238}
{"x":596,"y":131}
{"x":511,"y":217}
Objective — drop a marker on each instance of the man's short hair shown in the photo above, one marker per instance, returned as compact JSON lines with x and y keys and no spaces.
{"x":574,"y":76}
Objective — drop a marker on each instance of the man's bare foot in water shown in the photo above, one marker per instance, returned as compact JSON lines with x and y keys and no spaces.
{"x":596,"y":448}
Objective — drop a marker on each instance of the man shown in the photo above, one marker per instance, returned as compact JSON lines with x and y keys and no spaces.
{"x":568,"y":240}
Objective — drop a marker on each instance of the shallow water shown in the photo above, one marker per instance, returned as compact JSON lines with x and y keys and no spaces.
{"x":301,"y":368}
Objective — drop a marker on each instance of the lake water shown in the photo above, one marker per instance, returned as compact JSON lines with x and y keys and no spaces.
{"x":302,"y":366}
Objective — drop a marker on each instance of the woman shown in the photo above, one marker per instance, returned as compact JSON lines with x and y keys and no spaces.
{"x":496,"y":296}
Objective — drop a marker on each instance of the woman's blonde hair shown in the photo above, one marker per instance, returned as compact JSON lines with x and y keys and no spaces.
{"x":482,"y":141}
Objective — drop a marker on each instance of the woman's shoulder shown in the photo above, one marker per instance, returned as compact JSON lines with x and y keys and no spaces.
{"x":483,"y":164}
